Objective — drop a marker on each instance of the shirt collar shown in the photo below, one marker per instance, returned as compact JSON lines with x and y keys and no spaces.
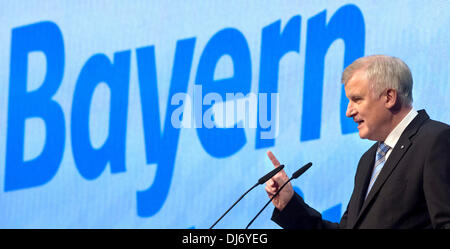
{"x":395,"y":134}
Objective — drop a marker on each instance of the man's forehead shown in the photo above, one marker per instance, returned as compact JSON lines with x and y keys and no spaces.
{"x":357,"y":77}
{"x":357,"y":84}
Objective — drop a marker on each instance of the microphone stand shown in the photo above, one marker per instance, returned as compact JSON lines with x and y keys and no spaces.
{"x":260,"y":181}
{"x":234,"y":205}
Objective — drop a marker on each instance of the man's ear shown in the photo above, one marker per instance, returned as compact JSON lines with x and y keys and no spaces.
{"x":391,"y":98}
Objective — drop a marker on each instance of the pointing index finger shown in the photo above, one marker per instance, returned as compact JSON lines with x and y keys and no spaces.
{"x":272,"y":158}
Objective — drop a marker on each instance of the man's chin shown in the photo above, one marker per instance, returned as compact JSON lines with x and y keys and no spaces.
{"x":363,"y":135}
{"x":366,"y":136}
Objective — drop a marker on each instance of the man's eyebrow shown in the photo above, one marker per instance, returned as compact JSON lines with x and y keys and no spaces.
{"x":354,"y":96}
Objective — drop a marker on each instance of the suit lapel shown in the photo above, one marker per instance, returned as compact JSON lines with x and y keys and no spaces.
{"x":366,"y":173}
{"x":361,"y":184}
{"x":389,"y":166}
{"x":397,"y":153}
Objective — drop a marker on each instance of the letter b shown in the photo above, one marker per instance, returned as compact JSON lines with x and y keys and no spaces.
{"x":47,"y":38}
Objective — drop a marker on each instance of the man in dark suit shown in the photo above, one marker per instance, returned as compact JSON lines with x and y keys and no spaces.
{"x":403,"y":180}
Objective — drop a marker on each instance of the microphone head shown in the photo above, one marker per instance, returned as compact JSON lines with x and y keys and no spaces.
{"x":269,"y":175}
{"x":301,"y":170}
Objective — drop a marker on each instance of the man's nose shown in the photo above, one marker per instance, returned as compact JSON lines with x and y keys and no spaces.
{"x":350,"y":110}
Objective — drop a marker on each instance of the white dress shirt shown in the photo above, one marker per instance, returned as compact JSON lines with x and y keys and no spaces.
{"x":394,"y":136}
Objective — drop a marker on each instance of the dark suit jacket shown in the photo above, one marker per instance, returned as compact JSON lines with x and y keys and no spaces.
{"x":411,"y":191}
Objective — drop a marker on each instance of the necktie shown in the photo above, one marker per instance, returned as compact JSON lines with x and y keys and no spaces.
{"x":380,"y":158}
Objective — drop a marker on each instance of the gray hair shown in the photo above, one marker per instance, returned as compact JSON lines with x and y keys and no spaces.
{"x":383,"y":72}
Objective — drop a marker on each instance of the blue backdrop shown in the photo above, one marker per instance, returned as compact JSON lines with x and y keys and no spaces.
{"x":106,"y":108}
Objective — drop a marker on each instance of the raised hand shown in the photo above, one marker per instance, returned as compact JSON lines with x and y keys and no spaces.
{"x":273,"y":184}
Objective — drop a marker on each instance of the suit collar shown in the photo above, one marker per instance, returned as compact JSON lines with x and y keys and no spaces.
{"x":398,"y":151}
{"x":417,"y":122}
{"x":393,"y":137}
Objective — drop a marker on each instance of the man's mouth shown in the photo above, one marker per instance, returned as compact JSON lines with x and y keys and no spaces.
{"x":359,"y":122}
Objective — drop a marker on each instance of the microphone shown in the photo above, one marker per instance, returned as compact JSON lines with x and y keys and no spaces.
{"x":261,"y":180}
{"x":296,"y":174}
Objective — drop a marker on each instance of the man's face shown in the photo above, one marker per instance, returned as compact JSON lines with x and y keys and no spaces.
{"x":366,"y":109}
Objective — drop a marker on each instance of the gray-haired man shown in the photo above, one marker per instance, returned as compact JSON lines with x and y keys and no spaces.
{"x":403,"y":180}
